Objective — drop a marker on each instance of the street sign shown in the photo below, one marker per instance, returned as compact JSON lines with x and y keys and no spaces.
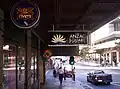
{"x":47,"y":54}
{"x":25,"y":14}
{"x":67,"y":38}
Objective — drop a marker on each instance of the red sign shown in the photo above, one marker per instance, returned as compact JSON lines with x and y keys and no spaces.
{"x":47,"y":54}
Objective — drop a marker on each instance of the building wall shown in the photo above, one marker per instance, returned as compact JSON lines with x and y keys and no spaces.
{"x":105,"y":38}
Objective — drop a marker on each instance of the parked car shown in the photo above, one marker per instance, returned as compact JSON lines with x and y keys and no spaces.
{"x":99,"y":76}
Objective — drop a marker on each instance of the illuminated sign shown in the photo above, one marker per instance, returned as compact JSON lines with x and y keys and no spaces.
{"x":25,"y":14}
{"x":68,"y":38}
{"x":77,"y":38}
{"x":58,"y":38}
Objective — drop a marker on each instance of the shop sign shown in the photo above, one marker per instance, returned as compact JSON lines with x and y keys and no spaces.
{"x":25,"y":14}
{"x":47,"y":54}
{"x":68,"y":38}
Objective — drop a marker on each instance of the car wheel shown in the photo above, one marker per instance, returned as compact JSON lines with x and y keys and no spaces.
{"x":95,"y":83}
{"x":88,"y":79}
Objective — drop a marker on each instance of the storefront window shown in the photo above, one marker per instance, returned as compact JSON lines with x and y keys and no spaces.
{"x":34,"y":67}
{"x":21,"y":67}
{"x":9,"y":60}
{"x":14,"y":67}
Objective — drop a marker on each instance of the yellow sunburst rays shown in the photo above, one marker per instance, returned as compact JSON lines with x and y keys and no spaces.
{"x":58,"y":38}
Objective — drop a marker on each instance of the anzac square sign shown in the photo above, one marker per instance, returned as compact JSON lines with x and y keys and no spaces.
{"x":67,"y":38}
{"x":25,"y":14}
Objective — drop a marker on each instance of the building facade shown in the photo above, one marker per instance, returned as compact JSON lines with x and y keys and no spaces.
{"x":107,"y":38}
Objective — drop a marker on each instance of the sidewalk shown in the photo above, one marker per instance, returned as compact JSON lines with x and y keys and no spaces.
{"x":90,"y":63}
{"x":94,"y":65}
{"x":53,"y":83}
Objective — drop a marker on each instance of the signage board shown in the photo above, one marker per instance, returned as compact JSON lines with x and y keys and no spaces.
{"x":47,"y":54}
{"x":25,"y":14}
{"x":67,"y":38}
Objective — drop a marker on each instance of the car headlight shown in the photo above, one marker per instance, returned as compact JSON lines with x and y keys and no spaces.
{"x":96,"y":78}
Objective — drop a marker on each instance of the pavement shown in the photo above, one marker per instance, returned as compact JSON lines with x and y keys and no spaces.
{"x":53,"y":83}
{"x":93,"y":65}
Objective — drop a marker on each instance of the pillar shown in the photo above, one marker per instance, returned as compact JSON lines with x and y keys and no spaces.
{"x":27,"y":59}
{"x":117,"y":56}
{"x":42,"y":72}
{"x":110,"y":58}
{"x":38,"y":62}
{"x":1,"y":48}
{"x":1,"y":60}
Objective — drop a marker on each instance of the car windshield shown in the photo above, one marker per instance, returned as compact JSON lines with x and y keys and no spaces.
{"x":99,"y":72}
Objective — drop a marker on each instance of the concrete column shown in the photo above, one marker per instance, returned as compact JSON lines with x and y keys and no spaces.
{"x":42,"y":72}
{"x":110,"y":58}
{"x":28,"y":59}
{"x":1,"y":48}
{"x":1,"y":60}
{"x":38,"y":63}
{"x":117,"y":56}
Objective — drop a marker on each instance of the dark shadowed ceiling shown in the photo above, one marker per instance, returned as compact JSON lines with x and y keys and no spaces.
{"x":70,"y":14}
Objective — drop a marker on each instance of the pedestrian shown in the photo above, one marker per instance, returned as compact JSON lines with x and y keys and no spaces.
{"x":115,"y":61}
{"x":54,"y":72}
{"x":73,"y":71}
{"x":61,"y":75}
{"x":65,"y":73}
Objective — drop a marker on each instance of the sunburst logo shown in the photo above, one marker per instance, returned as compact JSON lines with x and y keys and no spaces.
{"x":58,"y":38}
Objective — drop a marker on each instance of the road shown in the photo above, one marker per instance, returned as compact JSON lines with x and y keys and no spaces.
{"x":83,"y":69}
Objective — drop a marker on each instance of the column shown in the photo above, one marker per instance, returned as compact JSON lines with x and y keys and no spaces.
{"x":1,"y":60}
{"x":117,"y":56}
{"x":38,"y":63}
{"x":1,"y":47}
{"x":110,"y":58}
{"x":27,"y":59}
{"x":42,"y":72}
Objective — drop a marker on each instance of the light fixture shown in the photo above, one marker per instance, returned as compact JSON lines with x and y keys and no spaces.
{"x":6,"y":47}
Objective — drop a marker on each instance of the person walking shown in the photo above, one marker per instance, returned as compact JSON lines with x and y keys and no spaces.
{"x":54,"y":72}
{"x":61,"y":72}
{"x":73,"y":71}
{"x":65,"y":73}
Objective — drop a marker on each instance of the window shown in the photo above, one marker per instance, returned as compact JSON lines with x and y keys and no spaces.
{"x":117,"y":26}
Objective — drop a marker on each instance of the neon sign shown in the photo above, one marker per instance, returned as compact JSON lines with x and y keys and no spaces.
{"x":25,"y":14}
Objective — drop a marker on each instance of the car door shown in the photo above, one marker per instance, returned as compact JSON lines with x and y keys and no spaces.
{"x":90,"y":76}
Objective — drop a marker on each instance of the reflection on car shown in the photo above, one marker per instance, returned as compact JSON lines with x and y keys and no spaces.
{"x":99,"y":76}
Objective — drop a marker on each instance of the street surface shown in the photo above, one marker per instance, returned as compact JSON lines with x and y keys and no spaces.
{"x":81,"y":75}
{"x":81,"y":70}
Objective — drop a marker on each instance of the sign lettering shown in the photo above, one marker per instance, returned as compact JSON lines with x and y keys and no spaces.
{"x":77,"y":38}
{"x":68,"y":38}
{"x":25,"y":13}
